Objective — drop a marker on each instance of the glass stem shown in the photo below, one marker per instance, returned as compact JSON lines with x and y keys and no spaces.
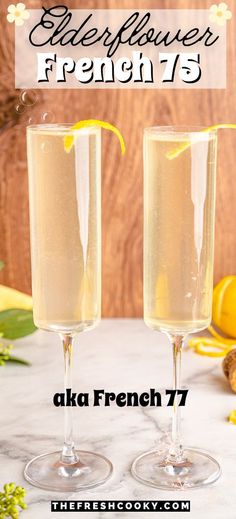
{"x":176,"y":451}
{"x":68,"y":455}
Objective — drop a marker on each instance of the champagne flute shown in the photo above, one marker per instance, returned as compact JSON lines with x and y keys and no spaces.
{"x":179,"y":213}
{"x":65,"y":227}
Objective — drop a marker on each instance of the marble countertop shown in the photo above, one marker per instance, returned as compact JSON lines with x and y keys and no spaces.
{"x":119,"y":355}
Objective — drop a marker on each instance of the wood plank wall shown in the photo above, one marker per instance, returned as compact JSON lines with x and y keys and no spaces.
{"x":122,"y":177}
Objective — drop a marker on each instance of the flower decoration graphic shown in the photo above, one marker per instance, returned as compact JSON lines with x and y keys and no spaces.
{"x":17,"y":13}
{"x":220,"y":13}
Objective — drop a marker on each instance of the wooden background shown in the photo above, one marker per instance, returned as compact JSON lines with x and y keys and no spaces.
{"x":122,"y":176}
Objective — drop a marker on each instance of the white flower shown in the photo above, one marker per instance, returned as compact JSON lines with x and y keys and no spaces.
{"x":220,"y":13}
{"x":17,"y":13}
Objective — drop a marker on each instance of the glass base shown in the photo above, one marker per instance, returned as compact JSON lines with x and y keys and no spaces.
{"x":196,"y":469}
{"x":50,"y":473}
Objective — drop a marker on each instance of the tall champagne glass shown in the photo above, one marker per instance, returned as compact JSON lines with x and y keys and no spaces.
{"x":65,"y":225}
{"x":179,"y":211}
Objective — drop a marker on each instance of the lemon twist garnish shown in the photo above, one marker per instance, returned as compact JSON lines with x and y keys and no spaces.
{"x":172,"y":154}
{"x":69,"y":139}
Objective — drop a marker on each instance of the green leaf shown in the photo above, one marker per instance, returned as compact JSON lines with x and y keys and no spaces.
{"x":17,"y":360}
{"x":1,"y":264}
{"x":16,"y":323}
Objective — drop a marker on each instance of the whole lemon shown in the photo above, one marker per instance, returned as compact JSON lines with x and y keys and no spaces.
{"x":224,"y":306}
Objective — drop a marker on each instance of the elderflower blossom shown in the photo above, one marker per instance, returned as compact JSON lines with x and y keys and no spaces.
{"x":17,"y":13}
{"x":220,"y":13}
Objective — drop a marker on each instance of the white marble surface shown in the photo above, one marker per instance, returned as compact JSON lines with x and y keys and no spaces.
{"x":120,"y":355}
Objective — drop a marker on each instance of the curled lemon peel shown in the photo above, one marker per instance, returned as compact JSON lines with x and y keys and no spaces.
{"x":69,"y":139}
{"x":201,"y":349}
{"x":209,"y":347}
{"x":224,"y":340}
{"x":232,"y":417}
{"x":175,"y":152}
{"x":207,"y":341}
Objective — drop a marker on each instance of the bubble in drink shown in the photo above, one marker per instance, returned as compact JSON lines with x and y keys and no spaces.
{"x":28,"y":97}
{"x":19,"y":109}
{"x":47,"y":117}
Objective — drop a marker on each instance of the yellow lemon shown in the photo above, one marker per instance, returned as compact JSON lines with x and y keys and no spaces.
{"x":69,"y":139}
{"x":11,"y":298}
{"x":224,"y":317}
{"x":232,"y":417}
{"x":224,"y":306}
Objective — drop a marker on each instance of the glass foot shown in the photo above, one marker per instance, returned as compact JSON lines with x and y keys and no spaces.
{"x":196,"y":469}
{"x":48,"y":472}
